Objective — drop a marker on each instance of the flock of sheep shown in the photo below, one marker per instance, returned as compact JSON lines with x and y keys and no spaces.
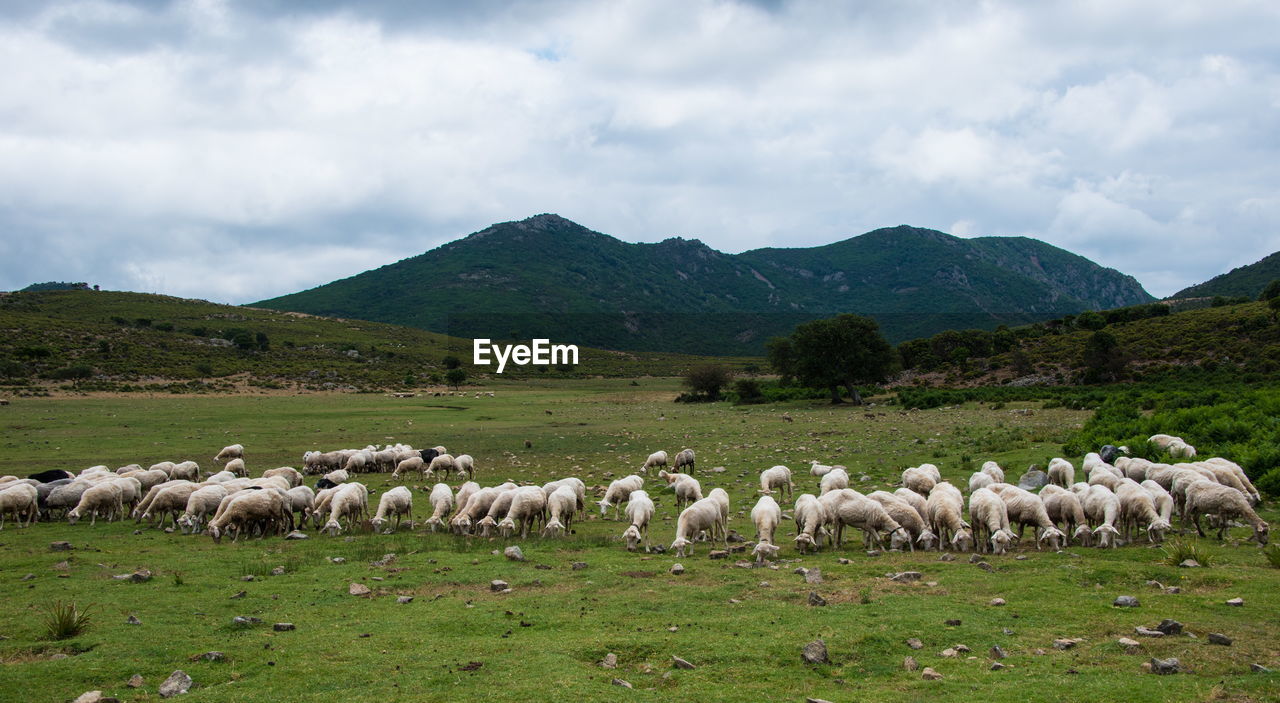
{"x":1119,"y":499}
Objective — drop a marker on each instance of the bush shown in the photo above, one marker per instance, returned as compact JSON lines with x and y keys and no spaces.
{"x":71,"y":373}
{"x":707,"y":380}
{"x":748,"y":391}
{"x":1177,"y":551}
{"x":65,"y":620}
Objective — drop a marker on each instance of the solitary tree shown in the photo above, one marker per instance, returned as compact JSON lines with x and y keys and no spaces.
{"x":845,"y":350}
{"x":1104,"y":360}
{"x":707,"y":380}
{"x":451,"y":362}
{"x":455,"y":377}
{"x":1272,"y":291}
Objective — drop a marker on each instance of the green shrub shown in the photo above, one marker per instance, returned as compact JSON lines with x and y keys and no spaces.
{"x":65,"y":620}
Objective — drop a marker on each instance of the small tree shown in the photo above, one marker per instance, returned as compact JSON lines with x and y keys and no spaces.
{"x":1103,"y":359}
{"x":1274,"y":305}
{"x":1091,"y":320}
{"x":1272,"y":291}
{"x":455,"y":377}
{"x":842,"y":351}
{"x":451,"y":362}
{"x":707,"y":380}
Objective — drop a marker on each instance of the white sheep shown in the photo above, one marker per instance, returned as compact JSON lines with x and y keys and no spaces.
{"x":819,"y":470}
{"x":833,"y":480}
{"x":810,"y":515}
{"x":102,"y":498}
{"x":465,"y":464}
{"x":765,"y":515}
{"x":917,"y":531}
{"x":640,"y":510}
{"x":618,"y":493}
{"x":413,"y":464}
{"x":237,"y":467}
{"x":350,"y":503}
{"x":562,"y":504}
{"x":702,"y":515}
{"x":918,"y":479}
{"x":721,"y":498}
{"x":1061,"y":472}
{"x":1241,"y":477}
{"x":440,"y":467}
{"x":915,"y":500}
{"x":301,"y":500}
{"x":474,"y":509}
{"x":686,"y":488}
{"x":527,"y":505}
{"x":979,"y":480}
{"x":290,"y":474}
{"x":245,"y":511}
{"x":1026,"y":508}
{"x":1063,"y":508}
{"x":575,"y":484}
{"x":1102,"y":507}
{"x":498,"y":509}
{"x":22,"y":500}
{"x":441,"y":499}
{"x":1227,"y":503}
{"x":683,"y":459}
{"x":397,"y":503}
{"x":1160,"y":498}
{"x":857,"y":510}
{"x":779,"y":478}
{"x":990,"y":520}
{"x":187,"y":470}
{"x":235,"y":451}
{"x":1138,"y":510}
{"x":201,"y":504}
{"x":991,"y":469}
{"x":657,"y":459}
{"x":359,"y":462}
{"x":945,"y":505}
{"x":465,"y":491}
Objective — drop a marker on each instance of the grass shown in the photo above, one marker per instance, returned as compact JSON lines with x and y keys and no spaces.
{"x":65,"y":620}
{"x":544,"y":639}
{"x":1177,"y":551}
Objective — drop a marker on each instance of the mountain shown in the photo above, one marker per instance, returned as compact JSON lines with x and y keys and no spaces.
{"x":549,"y":277}
{"x":1245,"y":281}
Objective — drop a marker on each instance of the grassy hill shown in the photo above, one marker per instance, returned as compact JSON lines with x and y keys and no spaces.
{"x":137,"y":341}
{"x":1245,"y":281}
{"x":549,"y":276}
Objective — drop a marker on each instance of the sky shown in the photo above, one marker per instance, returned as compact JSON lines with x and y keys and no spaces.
{"x":234,"y":150}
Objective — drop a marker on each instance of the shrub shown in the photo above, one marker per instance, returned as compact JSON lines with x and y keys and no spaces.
{"x":65,"y":620}
{"x":1177,"y":551}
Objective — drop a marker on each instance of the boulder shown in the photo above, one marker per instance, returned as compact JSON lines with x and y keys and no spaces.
{"x":178,"y":683}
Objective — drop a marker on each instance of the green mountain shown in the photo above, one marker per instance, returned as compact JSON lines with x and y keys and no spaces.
{"x":549,"y":277}
{"x":1245,"y":281}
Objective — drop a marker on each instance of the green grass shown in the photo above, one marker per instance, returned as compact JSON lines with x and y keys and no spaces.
{"x":542,"y":641}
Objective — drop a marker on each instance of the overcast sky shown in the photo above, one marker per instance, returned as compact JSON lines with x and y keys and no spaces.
{"x":239,"y":150}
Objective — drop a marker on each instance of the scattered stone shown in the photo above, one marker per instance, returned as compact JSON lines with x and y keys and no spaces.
{"x":718,"y":554}
{"x":135,"y":681}
{"x":1063,"y":643}
{"x":815,"y":652}
{"x":1125,"y":602}
{"x":997,"y":602}
{"x":1173,"y":590}
{"x":1131,"y":646}
{"x":140,"y":576}
{"x":498,"y":585}
{"x":985,"y":566}
{"x":1007,"y":631}
{"x":681,"y":663}
{"x":907,"y":576}
{"x":948,"y":652}
{"x":843,"y":560}
{"x":1147,"y":632}
{"x":209,"y":657}
{"x":677,"y":569}
{"x":930,"y":675}
{"x":28,"y":577}
{"x":177,"y":684}
{"x":59,"y":546}
{"x":954,"y":622}
{"x":89,"y":697}
{"x":1190,"y":564}
{"x":873,"y":552}
{"x":745,"y":564}
{"x":513,"y":553}
{"x":816,"y":700}
{"x":359,"y":589}
{"x":813,"y":576}
{"x":673,"y":628}
{"x":963,"y":649}
{"x":610,"y":661}
{"x":404,"y":600}
{"x":278,"y":571}
{"x":1259,"y":669}
{"x":1236,"y":602}
{"x":578,"y":565}
{"x":386,"y":560}
{"x":1039,"y":652}
{"x":915,"y":643}
{"x":284,"y":627}
{"x":996,"y":666}
{"x":800,"y":570}
{"x":910,"y":664}
{"x":997,"y":652}
{"x":132,"y":620}
{"x":1219,"y":638}
{"x":247,"y":577}
{"x":245,"y":620}
{"x":1164,"y":667}
{"x":59,"y":655}
{"x":239,"y":594}
{"x":1170,"y":627}
{"x":297,"y":534}
{"x":620,"y":682}
{"x":338,"y":560}
{"x":815,"y":599}
{"x":947,"y":556}
{"x":1020,"y":557}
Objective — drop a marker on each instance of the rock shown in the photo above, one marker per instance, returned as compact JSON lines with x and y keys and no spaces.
{"x":297,"y":534}
{"x":873,"y":552}
{"x":140,"y":576}
{"x":135,"y":681}
{"x":910,"y":664}
{"x":906,"y":576}
{"x":359,"y":589}
{"x":1236,"y":602}
{"x":930,"y":675}
{"x":209,"y":657}
{"x":1125,"y":602}
{"x":610,"y":661}
{"x":278,"y":571}
{"x":620,"y":682}
{"x":386,"y":560}
{"x":948,"y":652}
{"x":816,"y":700}
{"x":677,"y":569}
{"x":177,"y":684}
{"x":28,"y":577}
{"x":1131,"y":646}
{"x":59,"y":655}
{"x":89,"y":697}
{"x":338,"y":560}
{"x":247,"y":577}
{"x":915,"y":643}
{"x":954,"y":622}
{"x":813,"y":576}
{"x":1063,"y":643}
{"x":1020,"y":557}
{"x":800,"y":570}
{"x":1219,"y":638}
{"x":1164,"y":667}
{"x":815,"y":599}
{"x":578,"y":565}
{"x":1147,"y":632}
{"x":404,"y":600}
{"x":997,"y":602}
{"x":238,"y":594}
{"x":718,"y":554}
{"x":59,"y":546}
{"x":245,"y":620}
{"x":997,"y":652}
{"x":985,"y":566}
{"x":1174,"y":590}
{"x":681,"y":663}
{"x":1259,"y":669}
{"x":513,"y":553}
{"x":1190,"y":564}
{"x":841,"y":560}
{"x":284,"y":627}
{"x":1033,"y":480}
{"x":963,"y":649}
{"x":1170,"y":627}
{"x":947,"y":556}
{"x":996,"y":666}
{"x":815,"y":652}
{"x":498,"y":585}
{"x":133,"y":620}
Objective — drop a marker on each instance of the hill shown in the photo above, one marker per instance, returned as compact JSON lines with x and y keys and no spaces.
{"x":113,"y":341}
{"x":1247,"y":281}
{"x":552,"y":277}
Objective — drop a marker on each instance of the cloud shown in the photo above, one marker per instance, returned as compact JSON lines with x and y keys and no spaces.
{"x":273,"y":146}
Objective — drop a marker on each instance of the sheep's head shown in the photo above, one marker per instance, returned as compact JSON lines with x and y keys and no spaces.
{"x":804,"y":541}
{"x":1262,"y":533}
{"x":764,"y":550}
{"x":554,"y":528}
{"x":216,"y":534}
{"x":1106,"y":535}
{"x":900,"y":539}
{"x":1083,"y":535}
{"x":1053,"y":537}
{"x":680,"y":545}
{"x":1000,"y":541}
{"x":434,"y":522}
{"x":377,"y":523}
{"x":332,"y":527}
{"x":604,"y":507}
{"x":927,"y":539}
{"x":1156,"y":530}
{"x":632,"y":537}
{"x":506,"y":527}
{"x":72,"y":516}
{"x":962,"y":540}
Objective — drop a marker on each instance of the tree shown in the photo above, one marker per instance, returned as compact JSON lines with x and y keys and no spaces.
{"x":1091,"y":320}
{"x":451,"y":362}
{"x":845,"y":350}
{"x":455,"y":377}
{"x":707,"y":380}
{"x":1272,"y":291}
{"x":1103,"y":359}
{"x":1274,"y":305}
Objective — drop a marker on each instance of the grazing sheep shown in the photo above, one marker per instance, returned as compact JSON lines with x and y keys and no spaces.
{"x":575,"y":484}
{"x":148,"y":479}
{"x":102,"y":498}
{"x":244,"y":512}
{"x":202,"y":503}
{"x":359,"y":462}
{"x":234,"y":451}
{"x":412,"y":464}
{"x":721,"y":499}
{"x":474,"y":509}
{"x":810,"y":515}
{"x":350,"y":502}
{"x":1102,"y":507}
{"x":833,"y":480}
{"x":1241,"y":477}
{"x":290,"y":474}
{"x":1181,"y":480}
{"x":915,"y":500}
{"x":438,"y":449}
{"x":703,"y":515}
{"x":440,"y":467}
{"x":334,"y":478}
{"x":441,"y":499}
{"x":1227,"y":503}
{"x":857,"y":510}
{"x":1174,"y":446}
{"x":562,"y":503}
{"x":991,"y":469}
{"x":657,"y":459}
{"x":979,"y":480}
{"x":527,"y":505}
{"x":498,"y":509}
{"x":465,"y":491}
{"x":465,"y":464}
{"x":22,"y":500}
{"x":45,"y":490}
{"x":1101,"y":475}
{"x":618,"y":493}
{"x":397,"y":503}
{"x":778,"y":477}
{"x":237,"y":467}
{"x":53,"y":475}
{"x":1063,"y":508}
{"x":1026,"y":508}
{"x":687,"y":488}
{"x":67,"y":496}
{"x":917,"y":531}
{"x":640,"y":510}
{"x":187,"y":470}
{"x":1138,"y":510}
{"x":683,"y":459}
{"x":945,"y":505}
{"x":918,"y":479}
{"x":1061,"y":472}
{"x":1160,"y":499}
{"x":819,"y":470}
{"x":765,"y":516}
{"x":990,"y":519}
{"x":301,"y":500}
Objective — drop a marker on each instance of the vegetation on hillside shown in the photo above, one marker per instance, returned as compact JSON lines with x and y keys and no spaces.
{"x":1247,"y":281}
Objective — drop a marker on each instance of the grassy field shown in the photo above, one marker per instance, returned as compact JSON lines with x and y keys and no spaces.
{"x":743,"y":628}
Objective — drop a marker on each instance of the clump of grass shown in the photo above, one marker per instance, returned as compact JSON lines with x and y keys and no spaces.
{"x":1272,"y":554}
{"x":65,"y":620}
{"x":178,"y":580}
{"x":1177,"y":551}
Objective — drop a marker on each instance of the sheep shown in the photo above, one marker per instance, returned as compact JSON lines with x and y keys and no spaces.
{"x":919,"y":480}
{"x":1063,"y":508}
{"x":244,"y":511}
{"x":702,"y":515}
{"x":220,"y":477}
{"x":498,"y":509}
{"x":439,"y":449}
{"x":833,"y":480}
{"x":527,"y":506}
{"x":148,"y":479}
{"x":301,"y":500}
{"x":915,"y":500}
{"x":104,"y":498}
{"x":810,"y":515}
{"x":1174,"y":446}
{"x":188,"y":470}
{"x":979,"y":480}
{"x":465,"y":491}
{"x":464,"y":463}
{"x":683,"y":459}
{"x":990,"y":518}
{"x":45,"y":490}
{"x":640,"y":510}
{"x":1061,"y":472}
{"x":1241,"y":476}
{"x":441,"y":499}
{"x":917,"y":530}
{"x":334,"y":478}
{"x":476,"y":508}
{"x":618,"y":492}
{"x":1137,"y":509}
{"x":203,"y":502}
{"x":350,"y":502}
{"x":721,"y":499}
{"x":54,"y":475}
{"x":413,"y":464}
{"x":860,"y":511}
{"x":1102,"y":507}
{"x":778,"y":477}
{"x":290,"y":474}
{"x":562,"y":503}
{"x":657,"y":459}
{"x":1160,"y":499}
{"x":20,"y":499}
{"x":1180,"y":481}
{"x":575,"y":484}
{"x":687,"y":488}
{"x":130,"y":492}
{"x":765,"y":515}
{"x":398,"y":503}
{"x":991,"y":469}
{"x":1227,"y":503}
{"x":1026,"y":508}
{"x":235,"y":451}
{"x":1100,"y":476}
{"x":442,"y":464}
{"x":66,"y":497}
{"x":819,"y":470}
{"x":944,"y":506}
{"x":237,"y":467}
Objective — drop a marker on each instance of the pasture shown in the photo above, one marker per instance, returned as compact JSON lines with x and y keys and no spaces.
{"x":742,"y":628}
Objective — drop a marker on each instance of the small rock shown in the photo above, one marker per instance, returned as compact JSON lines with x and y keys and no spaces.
{"x":59,"y":655}
{"x":278,"y":571}
{"x":1147,"y":632}
{"x":718,"y":554}
{"x":954,"y":622}
{"x":284,"y":627}
{"x":677,"y":569}
{"x":247,"y":577}
{"x":578,"y":565}
{"x":800,"y":570}
{"x":813,"y":576}
{"x":59,"y":546}
{"x":1259,"y":669}
{"x":244,"y":620}
{"x":843,"y":560}
{"x":338,"y":560}
{"x":673,"y":628}
{"x":359,"y":589}
{"x":996,"y":666}
{"x":513,"y":553}
{"x":135,"y":681}
{"x":681,"y":663}
{"x":610,"y":661}
{"x":209,"y":657}
{"x":1219,"y":638}
{"x":498,"y":585}
{"x":177,"y":684}
{"x":1190,"y":564}
{"x":140,"y":576}
{"x":816,"y":700}
{"x":985,"y":566}
{"x":1131,"y":646}
{"x":948,"y":652}
{"x":910,"y":664}
{"x":997,"y":601}
{"x":963,"y":649}
{"x":1007,"y":631}
{"x":297,"y":534}
{"x":89,"y":697}
{"x":132,"y":620}
{"x":815,"y":599}
{"x":915,"y":643}
{"x":1125,"y":602}
{"x":815,"y":652}
{"x":1170,"y":627}
{"x":386,"y":560}
{"x":1236,"y":602}
{"x":404,"y":600}
{"x":997,"y":652}
{"x":1173,"y":590}
{"x":1063,"y":643}
{"x":28,"y":577}
{"x":1020,"y":557}
{"x":930,"y":675}
{"x":620,"y":682}
{"x":947,"y":556}
{"x":907,"y":576}
{"x":239,"y":594}
{"x":1164,"y":667}
{"x":873,"y":552}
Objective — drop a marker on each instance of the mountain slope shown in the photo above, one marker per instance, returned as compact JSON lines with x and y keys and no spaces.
{"x":1243,"y":281}
{"x":547,"y":276}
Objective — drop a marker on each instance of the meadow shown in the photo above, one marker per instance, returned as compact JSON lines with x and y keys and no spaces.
{"x":743,"y":628}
